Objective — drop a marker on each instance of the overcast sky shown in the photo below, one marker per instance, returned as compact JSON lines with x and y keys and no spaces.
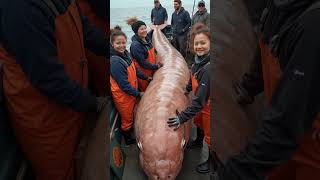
{"x":143,"y":3}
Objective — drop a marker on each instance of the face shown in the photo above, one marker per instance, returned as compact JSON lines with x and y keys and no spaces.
{"x":201,"y":7}
{"x":157,"y":4}
{"x":119,"y":44}
{"x":176,"y":5}
{"x":142,"y":31}
{"x":201,"y":44}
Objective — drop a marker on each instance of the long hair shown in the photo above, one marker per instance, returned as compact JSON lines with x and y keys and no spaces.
{"x":198,"y":28}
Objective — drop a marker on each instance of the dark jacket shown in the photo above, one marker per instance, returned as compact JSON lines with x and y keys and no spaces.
{"x":201,"y":17}
{"x":139,"y":51}
{"x":33,"y":28}
{"x":295,"y":102}
{"x":159,"y":15}
{"x":180,"y":22}
{"x":118,"y":71}
{"x":202,"y":93}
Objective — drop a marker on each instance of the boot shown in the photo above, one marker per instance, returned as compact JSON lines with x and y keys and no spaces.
{"x":127,"y":138}
{"x":204,"y":168}
{"x":197,"y":143}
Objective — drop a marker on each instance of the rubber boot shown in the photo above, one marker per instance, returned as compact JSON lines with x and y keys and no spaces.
{"x":204,"y":167}
{"x":197,"y":143}
{"x":127,"y":138}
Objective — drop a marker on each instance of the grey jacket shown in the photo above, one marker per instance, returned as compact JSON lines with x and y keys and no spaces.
{"x":201,"y":17}
{"x":180,"y":22}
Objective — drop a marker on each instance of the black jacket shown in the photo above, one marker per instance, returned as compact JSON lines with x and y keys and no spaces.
{"x":295,"y":102}
{"x":119,"y":71}
{"x":139,"y":51}
{"x":180,"y":22}
{"x":159,"y":15}
{"x":202,"y":93}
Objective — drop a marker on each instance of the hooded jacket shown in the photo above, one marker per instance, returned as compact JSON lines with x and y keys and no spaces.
{"x":139,"y":51}
{"x":201,"y":17}
{"x":159,"y":15}
{"x":202,"y":93}
{"x":180,"y":22}
{"x":118,"y":71}
{"x":294,"y":104}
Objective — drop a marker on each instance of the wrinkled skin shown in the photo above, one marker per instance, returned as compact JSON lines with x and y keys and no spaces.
{"x":234,"y":44}
{"x":162,"y":148}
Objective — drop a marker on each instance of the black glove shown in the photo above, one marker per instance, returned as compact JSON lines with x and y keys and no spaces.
{"x":160,"y":65}
{"x":101,"y":102}
{"x":241,"y":95}
{"x":176,"y":121}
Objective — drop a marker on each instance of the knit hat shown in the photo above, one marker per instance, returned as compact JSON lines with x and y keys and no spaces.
{"x":135,"y":26}
{"x":201,"y":2}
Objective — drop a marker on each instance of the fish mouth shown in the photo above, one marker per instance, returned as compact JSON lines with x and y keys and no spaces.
{"x":162,"y":169}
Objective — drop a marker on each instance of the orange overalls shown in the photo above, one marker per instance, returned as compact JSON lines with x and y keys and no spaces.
{"x":143,"y":84}
{"x":305,"y":163}
{"x":202,"y":119}
{"x":97,"y":65}
{"x":124,"y":102}
{"x":47,"y":132}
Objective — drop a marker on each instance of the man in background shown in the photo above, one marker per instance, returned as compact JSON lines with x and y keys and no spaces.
{"x":201,"y":16}
{"x":180,"y":23}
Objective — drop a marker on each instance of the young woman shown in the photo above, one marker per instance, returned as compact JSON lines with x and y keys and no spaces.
{"x":124,"y":83}
{"x":142,"y":51}
{"x":199,"y":84}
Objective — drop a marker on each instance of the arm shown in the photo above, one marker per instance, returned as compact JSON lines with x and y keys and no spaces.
{"x":138,"y":53}
{"x":165,"y":15}
{"x":94,"y":40}
{"x":118,"y":72}
{"x":172,"y":20}
{"x":251,"y":83}
{"x":31,"y":39}
{"x":187,"y":20}
{"x":289,"y":116}
{"x":207,"y":22}
{"x":152,"y":16}
{"x":141,"y":75}
{"x":200,"y":100}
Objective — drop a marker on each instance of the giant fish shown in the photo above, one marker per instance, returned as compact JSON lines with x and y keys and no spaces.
{"x":162,"y":148}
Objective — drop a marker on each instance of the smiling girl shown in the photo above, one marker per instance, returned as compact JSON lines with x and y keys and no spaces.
{"x":142,"y":51}
{"x":199,"y":84}
{"x":124,"y":83}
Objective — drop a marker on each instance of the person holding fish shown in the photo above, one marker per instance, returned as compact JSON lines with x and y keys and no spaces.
{"x":199,"y":84}
{"x":142,"y":51}
{"x":124,"y":82}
